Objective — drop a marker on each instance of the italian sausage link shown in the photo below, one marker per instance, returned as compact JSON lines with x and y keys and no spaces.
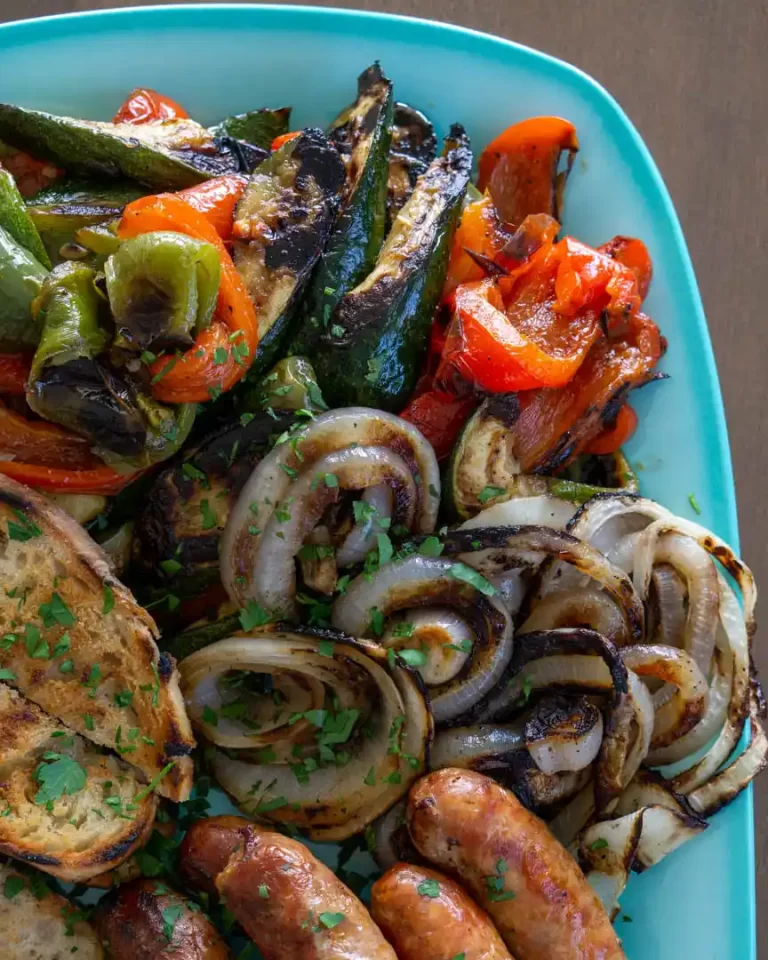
{"x":207,"y":847}
{"x":531,"y":887}
{"x":427,"y":916}
{"x":293,"y":907}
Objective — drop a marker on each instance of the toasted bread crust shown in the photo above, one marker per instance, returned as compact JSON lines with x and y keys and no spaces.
{"x":81,"y":835}
{"x":118,"y":677}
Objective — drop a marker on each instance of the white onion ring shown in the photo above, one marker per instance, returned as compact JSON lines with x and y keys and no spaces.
{"x":578,"y":607}
{"x":335,"y":801}
{"x":271,"y":481}
{"x":362,"y":537}
{"x":564,"y":734}
{"x":440,"y":634}
{"x":425,"y":581}
{"x":668,"y":593}
{"x":539,"y":511}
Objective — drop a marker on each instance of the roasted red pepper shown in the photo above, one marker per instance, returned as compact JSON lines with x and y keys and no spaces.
{"x":613,"y":438}
{"x":533,"y":328}
{"x":225,"y":350}
{"x":43,"y":443}
{"x":632,"y":253}
{"x":520,"y":167}
{"x":31,"y":175}
{"x":284,"y":138}
{"x":482,"y":241}
{"x":440,"y":415}
{"x":14,"y":370}
{"x":101,"y":480}
{"x":555,"y":425}
{"x":144,"y":105}
{"x":216,"y":199}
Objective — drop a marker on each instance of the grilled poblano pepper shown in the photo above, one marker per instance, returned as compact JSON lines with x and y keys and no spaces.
{"x":280,"y":228}
{"x":15,"y":219}
{"x":373,"y":351}
{"x":162,"y":290}
{"x":257,"y":127}
{"x":362,"y":134}
{"x":60,"y":211}
{"x":413,"y":148}
{"x":165,"y":155}
{"x":21,"y":279}
{"x":72,"y":383}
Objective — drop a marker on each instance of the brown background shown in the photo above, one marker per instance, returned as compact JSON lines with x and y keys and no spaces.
{"x":693,"y":76}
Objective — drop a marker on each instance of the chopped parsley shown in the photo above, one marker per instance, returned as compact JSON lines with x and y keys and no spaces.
{"x":325,"y":648}
{"x":210,"y":716}
{"x":694,"y":503}
{"x":370,"y":778}
{"x":13,"y":886}
{"x":600,"y":844}
{"x":170,"y":567}
{"x":377,"y":621}
{"x":93,"y":680}
{"x":191,"y":472}
{"x":431,"y":547}
{"x":490,"y":493}
{"x":123,"y":698}
{"x":264,"y":891}
{"x":58,"y":775}
{"x":428,"y":888}
{"x":460,"y":571}
{"x":109,"y":599}
{"x":209,"y":518}
{"x":253,"y":615}
{"x":414,"y":658}
{"x":331,"y":920}
{"x":6,"y":674}
{"x":24,"y":530}
{"x":374,"y":368}
{"x":56,"y":612}
{"x":36,"y":646}
{"x":464,"y":646}
{"x":170,"y":917}
{"x":403,"y":629}
{"x":385,"y":548}
{"x":62,"y":646}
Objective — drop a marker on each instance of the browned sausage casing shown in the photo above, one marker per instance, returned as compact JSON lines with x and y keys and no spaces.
{"x":439,"y":922}
{"x":293,"y":906}
{"x":207,"y":847}
{"x":146,"y":920}
{"x":532,"y":888}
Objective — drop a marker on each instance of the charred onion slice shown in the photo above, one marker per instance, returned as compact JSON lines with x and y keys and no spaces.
{"x":278,"y":486}
{"x":540,"y":511}
{"x":666,"y":606}
{"x":492,"y":550}
{"x":345,"y":761}
{"x":424,"y":582}
{"x":579,"y":607}
{"x":392,"y":842}
{"x":674,"y":716}
{"x":698,"y":571}
{"x":608,"y":518}
{"x":499,"y":751}
{"x":564,"y":734}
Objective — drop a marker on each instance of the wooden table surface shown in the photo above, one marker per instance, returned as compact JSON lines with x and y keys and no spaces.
{"x":693,"y":76}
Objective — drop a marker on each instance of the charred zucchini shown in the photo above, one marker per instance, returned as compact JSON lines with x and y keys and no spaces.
{"x":257,"y":127}
{"x":281,"y":225}
{"x":413,"y":148}
{"x":21,"y":279}
{"x":166,"y":156}
{"x":200,"y":635}
{"x":180,"y":522}
{"x":373,"y":351}
{"x":62,"y":210}
{"x":15,"y":219}
{"x":362,"y":135}
{"x":483,"y":468}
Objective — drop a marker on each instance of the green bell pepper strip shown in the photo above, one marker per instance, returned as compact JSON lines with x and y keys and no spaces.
{"x":162,"y":288}
{"x":15,"y":218}
{"x":21,"y":279}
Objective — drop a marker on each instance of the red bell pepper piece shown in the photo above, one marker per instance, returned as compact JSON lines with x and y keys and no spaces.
{"x":216,"y":199}
{"x":520,"y":167}
{"x":101,"y":480}
{"x":440,"y":415}
{"x":632,"y":253}
{"x":284,"y":138}
{"x":225,"y":350}
{"x":14,"y":370}
{"x":144,"y":105}
{"x":613,"y":438}
{"x":43,"y":443}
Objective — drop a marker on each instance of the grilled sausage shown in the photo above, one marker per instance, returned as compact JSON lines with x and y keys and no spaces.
{"x":293,"y":907}
{"x":207,"y":847}
{"x":146,"y":920}
{"x":426,"y":916}
{"x":532,"y":888}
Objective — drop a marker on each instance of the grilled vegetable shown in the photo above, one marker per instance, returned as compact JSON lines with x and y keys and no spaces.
{"x":374,"y":348}
{"x":291,"y":385}
{"x":15,"y":218}
{"x":164,"y":154}
{"x":21,"y":278}
{"x":143,"y":105}
{"x":484,"y":470}
{"x":200,"y":635}
{"x":63,"y":209}
{"x":257,"y":127}
{"x":281,"y":225}
{"x":362,"y":135}
{"x":71,"y":384}
{"x":180,"y":522}
{"x":162,"y":290}
{"x":413,"y":148}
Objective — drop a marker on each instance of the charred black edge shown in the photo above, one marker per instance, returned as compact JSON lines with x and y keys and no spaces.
{"x":654,"y":777}
{"x":498,"y":538}
{"x":628,"y":498}
{"x":555,"y":709}
{"x":487,"y":264}
{"x":570,"y":640}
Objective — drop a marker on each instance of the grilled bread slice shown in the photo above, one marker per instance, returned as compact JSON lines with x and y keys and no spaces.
{"x":65,"y":806}
{"x":74,"y":641}
{"x":41,"y":925}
